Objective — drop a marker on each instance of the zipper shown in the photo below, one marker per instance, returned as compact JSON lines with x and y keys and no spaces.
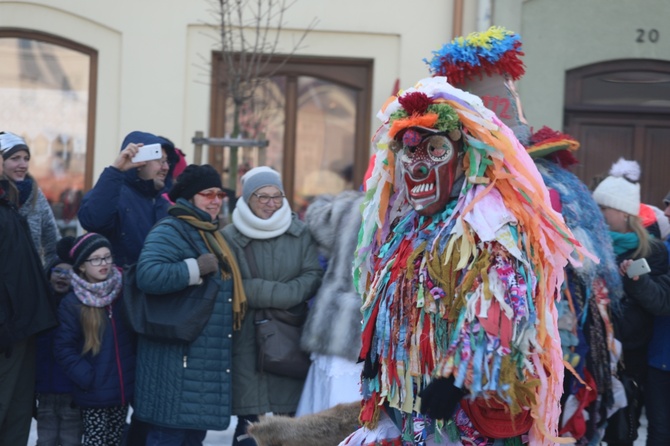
{"x":118,"y":358}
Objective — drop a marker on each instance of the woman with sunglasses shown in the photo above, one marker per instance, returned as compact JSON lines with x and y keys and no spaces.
{"x":279,"y":263}
{"x":93,"y":343}
{"x":183,"y":389}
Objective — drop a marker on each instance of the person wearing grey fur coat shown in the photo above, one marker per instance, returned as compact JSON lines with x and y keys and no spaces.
{"x":332,"y":332}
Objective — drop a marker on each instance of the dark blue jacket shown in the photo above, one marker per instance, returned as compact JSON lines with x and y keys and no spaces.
{"x":123,"y":207}
{"x":108,"y":378}
{"x":49,"y":376}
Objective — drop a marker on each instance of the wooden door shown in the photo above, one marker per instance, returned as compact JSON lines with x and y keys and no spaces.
{"x":622,"y":109}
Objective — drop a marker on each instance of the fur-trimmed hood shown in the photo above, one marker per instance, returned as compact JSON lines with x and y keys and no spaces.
{"x":333,"y":326}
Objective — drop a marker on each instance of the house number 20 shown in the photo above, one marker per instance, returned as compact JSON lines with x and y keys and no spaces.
{"x":647,"y":35}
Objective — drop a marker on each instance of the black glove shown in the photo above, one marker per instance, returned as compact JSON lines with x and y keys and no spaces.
{"x":440,"y":398}
{"x":207,"y":263}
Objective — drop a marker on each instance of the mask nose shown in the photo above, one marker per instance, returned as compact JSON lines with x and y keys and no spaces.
{"x":420,"y":171}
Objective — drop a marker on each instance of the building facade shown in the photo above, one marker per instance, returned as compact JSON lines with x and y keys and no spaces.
{"x":76,"y":77}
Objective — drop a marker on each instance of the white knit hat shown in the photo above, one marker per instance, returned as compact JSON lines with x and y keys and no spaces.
{"x":620,"y":190}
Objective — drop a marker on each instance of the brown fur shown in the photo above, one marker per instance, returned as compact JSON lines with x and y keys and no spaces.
{"x":326,"y":428}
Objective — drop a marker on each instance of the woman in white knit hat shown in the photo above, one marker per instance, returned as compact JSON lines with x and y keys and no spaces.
{"x":646,"y":296}
{"x":280,"y":269}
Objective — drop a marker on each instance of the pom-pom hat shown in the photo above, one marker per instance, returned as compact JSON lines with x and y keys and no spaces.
{"x":194,"y":179}
{"x":11,"y":143}
{"x":82,"y":247}
{"x":620,"y":190}
{"x":260,"y":177}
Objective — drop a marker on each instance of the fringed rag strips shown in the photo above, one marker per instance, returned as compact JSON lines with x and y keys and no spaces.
{"x":471,"y":291}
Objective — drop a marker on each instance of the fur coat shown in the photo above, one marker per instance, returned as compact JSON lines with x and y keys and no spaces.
{"x":333,"y":326}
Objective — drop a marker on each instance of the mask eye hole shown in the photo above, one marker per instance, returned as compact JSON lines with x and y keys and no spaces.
{"x":439,"y":148}
{"x":395,"y":146}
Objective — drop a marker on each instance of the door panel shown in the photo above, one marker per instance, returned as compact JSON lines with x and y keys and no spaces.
{"x":606,"y":137}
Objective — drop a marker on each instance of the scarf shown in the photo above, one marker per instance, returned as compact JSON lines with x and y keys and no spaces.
{"x":258,"y":229}
{"x":217,"y":245}
{"x":24,"y":187}
{"x":98,"y":294}
{"x":624,"y":242}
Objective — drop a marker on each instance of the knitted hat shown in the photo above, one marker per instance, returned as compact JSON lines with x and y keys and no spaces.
{"x":259,"y":177}
{"x":11,"y":143}
{"x":194,"y":179}
{"x":81,"y":248}
{"x":62,"y":253}
{"x":620,"y":190}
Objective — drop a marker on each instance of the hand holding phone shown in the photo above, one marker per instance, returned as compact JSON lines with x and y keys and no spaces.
{"x":147,"y":153}
{"x":637,"y":268}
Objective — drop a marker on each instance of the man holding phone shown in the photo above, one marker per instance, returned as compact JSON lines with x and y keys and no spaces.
{"x":126,"y":201}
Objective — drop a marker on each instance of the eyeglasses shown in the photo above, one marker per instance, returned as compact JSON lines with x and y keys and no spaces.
{"x":60,"y":272}
{"x":265,"y":199}
{"x":210,"y":194}
{"x":98,"y":261}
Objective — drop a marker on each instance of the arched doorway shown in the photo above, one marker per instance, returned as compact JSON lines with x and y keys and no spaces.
{"x":622,"y":109}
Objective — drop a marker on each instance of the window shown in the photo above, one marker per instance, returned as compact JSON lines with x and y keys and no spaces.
{"x":315,"y":114}
{"x":47,"y":88}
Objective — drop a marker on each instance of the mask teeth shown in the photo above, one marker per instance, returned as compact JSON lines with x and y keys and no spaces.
{"x":425,"y":187}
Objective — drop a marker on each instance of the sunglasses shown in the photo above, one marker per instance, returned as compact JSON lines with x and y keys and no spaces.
{"x":211,"y":194}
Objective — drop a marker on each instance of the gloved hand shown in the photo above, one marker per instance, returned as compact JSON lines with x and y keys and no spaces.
{"x":440,"y":398}
{"x":207,"y":263}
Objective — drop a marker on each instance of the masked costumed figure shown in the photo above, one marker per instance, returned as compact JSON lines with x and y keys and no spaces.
{"x":459,"y":263}
{"x":488,"y":64}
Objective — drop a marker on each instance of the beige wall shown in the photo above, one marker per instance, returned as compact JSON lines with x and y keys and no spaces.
{"x":566,"y":34}
{"x":154,"y":54}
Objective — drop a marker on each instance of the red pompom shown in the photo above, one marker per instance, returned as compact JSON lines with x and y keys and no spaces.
{"x":415,"y":103}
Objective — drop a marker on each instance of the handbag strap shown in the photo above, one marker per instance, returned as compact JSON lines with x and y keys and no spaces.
{"x":178,"y":226}
{"x":251,"y":260}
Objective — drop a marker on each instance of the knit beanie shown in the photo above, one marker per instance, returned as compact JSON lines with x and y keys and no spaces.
{"x":62,"y":253}
{"x":11,"y":143}
{"x":194,"y":179}
{"x":620,"y":190}
{"x":81,"y":248}
{"x":259,"y":177}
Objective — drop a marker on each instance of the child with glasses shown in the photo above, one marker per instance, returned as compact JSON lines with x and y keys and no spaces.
{"x":58,"y":417}
{"x":93,"y":344}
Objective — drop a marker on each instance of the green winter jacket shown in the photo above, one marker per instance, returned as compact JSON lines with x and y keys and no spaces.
{"x":290,"y":274}
{"x":180,"y":385}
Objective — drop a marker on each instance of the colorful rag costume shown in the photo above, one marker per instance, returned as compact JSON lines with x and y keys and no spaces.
{"x":466,"y":291}
{"x":488,"y":64}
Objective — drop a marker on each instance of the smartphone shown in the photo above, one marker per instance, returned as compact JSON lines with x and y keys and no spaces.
{"x":148,"y":152}
{"x":638,"y":268}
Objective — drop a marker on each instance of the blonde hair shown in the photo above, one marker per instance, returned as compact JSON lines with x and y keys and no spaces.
{"x":92,"y":324}
{"x":644,"y":246}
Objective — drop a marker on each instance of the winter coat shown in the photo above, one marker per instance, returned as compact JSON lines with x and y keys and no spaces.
{"x":42,"y":223}
{"x":333,"y":325}
{"x":123,"y":207}
{"x":25,"y":307}
{"x":179,"y":385}
{"x":290,"y":275}
{"x":633,"y":322}
{"x":50,"y":376}
{"x":652,"y":293}
{"x":108,"y":378}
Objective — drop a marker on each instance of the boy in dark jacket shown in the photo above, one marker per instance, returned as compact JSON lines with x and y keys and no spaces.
{"x":58,"y":418}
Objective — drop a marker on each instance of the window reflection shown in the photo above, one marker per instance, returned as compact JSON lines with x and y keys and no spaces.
{"x":44,"y":89}
{"x":325,"y":142}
